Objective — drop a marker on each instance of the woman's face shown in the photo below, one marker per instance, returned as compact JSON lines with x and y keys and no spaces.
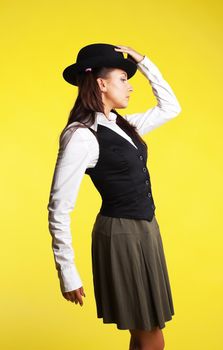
{"x":115,"y":89}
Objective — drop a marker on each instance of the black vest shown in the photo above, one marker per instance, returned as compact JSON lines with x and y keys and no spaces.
{"x":121,"y":176}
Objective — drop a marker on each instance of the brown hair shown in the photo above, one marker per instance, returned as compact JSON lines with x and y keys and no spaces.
{"x":89,"y":101}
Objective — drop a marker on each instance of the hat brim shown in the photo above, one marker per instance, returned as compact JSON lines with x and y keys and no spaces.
{"x":70,"y":73}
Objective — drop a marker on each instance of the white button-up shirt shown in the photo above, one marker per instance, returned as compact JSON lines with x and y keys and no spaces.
{"x":82,"y":152}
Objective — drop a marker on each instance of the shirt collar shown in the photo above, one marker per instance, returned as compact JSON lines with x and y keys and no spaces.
{"x":102,"y":119}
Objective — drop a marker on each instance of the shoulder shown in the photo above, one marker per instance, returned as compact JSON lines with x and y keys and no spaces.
{"x":75,"y":135}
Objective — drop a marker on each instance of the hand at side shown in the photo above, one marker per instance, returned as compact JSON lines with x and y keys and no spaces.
{"x":75,"y":295}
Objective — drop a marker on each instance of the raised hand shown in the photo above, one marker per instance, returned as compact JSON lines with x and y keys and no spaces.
{"x":134,"y":54}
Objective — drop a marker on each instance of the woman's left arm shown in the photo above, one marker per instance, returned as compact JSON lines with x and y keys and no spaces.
{"x":167,"y":106}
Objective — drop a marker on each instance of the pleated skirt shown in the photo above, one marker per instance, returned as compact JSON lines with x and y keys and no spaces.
{"x":130,"y":276}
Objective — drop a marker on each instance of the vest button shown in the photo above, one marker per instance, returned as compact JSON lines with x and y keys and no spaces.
{"x":149,"y":194}
{"x":144,"y":169}
{"x":147,"y":182}
{"x":141,"y":157}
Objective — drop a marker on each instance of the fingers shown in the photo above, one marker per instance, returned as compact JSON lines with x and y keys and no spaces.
{"x":132,"y":54}
{"x":78,"y":298}
{"x":75,"y":295}
{"x":123,"y":48}
{"x":69,"y":296}
{"x":82,"y":291}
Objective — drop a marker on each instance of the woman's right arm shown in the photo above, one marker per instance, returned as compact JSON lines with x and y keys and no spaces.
{"x":167,"y":107}
{"x":74,"y":155}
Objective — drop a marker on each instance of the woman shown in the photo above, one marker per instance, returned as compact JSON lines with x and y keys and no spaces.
{"x":130,"y":276}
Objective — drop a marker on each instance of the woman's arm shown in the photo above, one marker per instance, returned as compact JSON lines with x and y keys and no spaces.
{"x":74,"y":155}
{"x":167,"y":106}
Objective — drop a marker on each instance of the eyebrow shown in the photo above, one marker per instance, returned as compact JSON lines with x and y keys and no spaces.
{"x":124,"y":73}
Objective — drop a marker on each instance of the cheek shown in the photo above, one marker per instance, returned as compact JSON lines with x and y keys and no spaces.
{"x":117,"y":91}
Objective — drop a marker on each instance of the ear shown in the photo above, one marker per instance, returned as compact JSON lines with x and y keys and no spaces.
{"x":102,"y":84}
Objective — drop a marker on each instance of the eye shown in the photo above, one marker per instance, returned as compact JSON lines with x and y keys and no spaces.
{"x":123,"y":79}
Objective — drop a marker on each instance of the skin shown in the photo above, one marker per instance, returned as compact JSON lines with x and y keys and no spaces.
{"x":116,"y":89}
{"x":115,"y":92}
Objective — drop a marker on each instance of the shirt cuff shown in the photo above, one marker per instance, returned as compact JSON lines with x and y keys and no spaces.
{"x":142,"y":61}
{"x":69,"y":279}
{"x":147,"y":67}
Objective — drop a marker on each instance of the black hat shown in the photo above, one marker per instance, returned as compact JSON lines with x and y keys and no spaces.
{"x":99,"y":55}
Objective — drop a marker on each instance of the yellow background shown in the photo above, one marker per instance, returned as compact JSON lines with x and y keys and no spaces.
{"x":38,"y":40}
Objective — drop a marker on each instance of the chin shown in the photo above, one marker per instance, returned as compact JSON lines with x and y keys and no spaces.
{"x":121,"y":106}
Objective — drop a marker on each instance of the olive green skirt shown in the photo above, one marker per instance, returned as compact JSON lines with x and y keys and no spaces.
{"x":130,"y":277}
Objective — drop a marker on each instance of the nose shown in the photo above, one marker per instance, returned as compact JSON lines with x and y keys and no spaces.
{"x":130,"y":88}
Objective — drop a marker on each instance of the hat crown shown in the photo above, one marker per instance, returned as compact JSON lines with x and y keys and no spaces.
{"x":98,"y":50}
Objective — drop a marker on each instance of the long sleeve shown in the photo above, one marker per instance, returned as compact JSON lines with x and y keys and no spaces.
{"x":167,"y":106}
{"x":72,"y":161}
